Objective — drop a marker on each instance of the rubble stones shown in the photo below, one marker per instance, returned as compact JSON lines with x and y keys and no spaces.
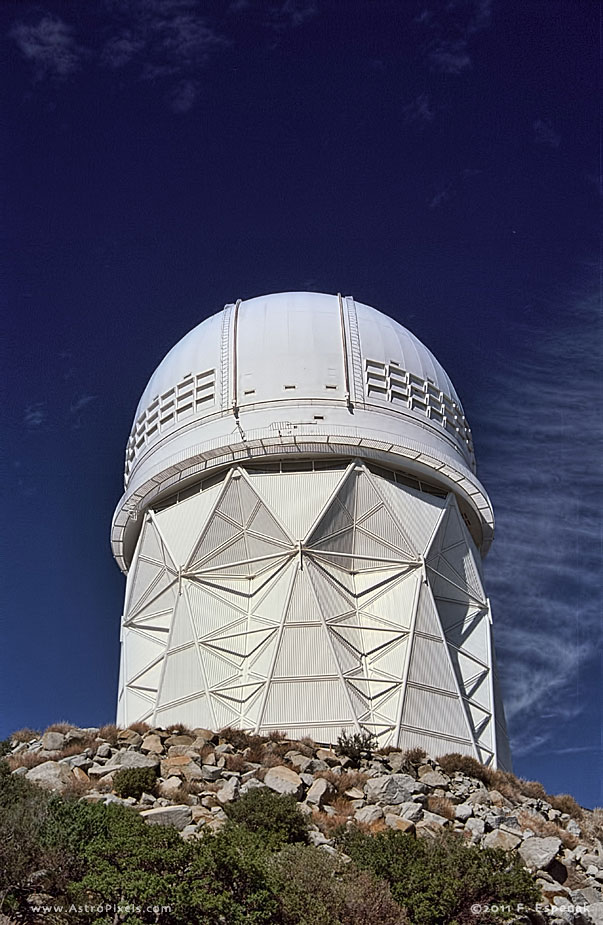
{"x":131,"y":759}
{"x":500,"y":839}
{"x":319,"y":791}
{"x":53,"y":741}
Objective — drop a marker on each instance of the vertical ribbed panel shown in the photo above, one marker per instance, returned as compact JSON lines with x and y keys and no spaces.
{"x":192,"y":713}
{"x":183,"y":523}
{"x":296,"y":497}
{"x":304,"y":652}
{"x":390,"y":660}
{"x":434,"y":712}
{"x":434,"y":745}
{"x":394,"y":604}
{"x":140,"y":651}
{"x":429,"y":665}
{"x":210,"y":612}
{"x":182,"y":629}
{"x":318,"y":702}
{"x":302,"y":607}
{"x":416,"y":512}
{"x":182,"y":675}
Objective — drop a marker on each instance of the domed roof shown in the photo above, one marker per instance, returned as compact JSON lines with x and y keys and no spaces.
{"x":297,"y":333}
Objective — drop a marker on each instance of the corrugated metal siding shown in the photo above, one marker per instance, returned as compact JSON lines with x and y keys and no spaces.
{"x":418,"y":513}
{"x":192,"y":713}
{"x":429,"y":665}
{"x":395,"y":603}
{"x":302,"y":606}
{"x":296,"y":497}
{"x":304,"y":652}
{"x":140,"y":651}
{"x":210,"y":613}
{"x":182,"y":629}
{"x":183,"y":523}
{"x":436,"y":712}
{"x":316,"y":701}
{"x":433,"y":745}
{"x":381,"y":523}
{"x":217,"y":534}
{"x":182,"y":676}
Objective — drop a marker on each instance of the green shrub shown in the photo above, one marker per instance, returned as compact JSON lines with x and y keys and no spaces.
{"x":467,"y":765}
{"x":357,"y":745}
{"x":133,"y":782}
{"x":5,"y":748}
{"x":270,"y":815}
{"x":438,"y":880}
{"x":23,"y":808}
{"x":314,"y":888}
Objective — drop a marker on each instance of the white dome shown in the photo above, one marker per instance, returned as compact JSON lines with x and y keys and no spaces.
{"x":303,"y":331}
{"x":295,"y":372}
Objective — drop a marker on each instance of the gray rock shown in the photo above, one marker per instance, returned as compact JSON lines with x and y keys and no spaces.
{"x":52,"y":776}
{"x":475,"y":827}
{"x":178,"y":816}
{"x":319,"y":792}
{"x":229,"y":791}
{"x":131,"y":759}
{"x":129,"y":737}
{"x":308,"y":779}
{"x":284,"y":780}
{"x":397,"y":761}
{"x":435,"y":818}
{"x":500,"y":839}
{"x":393,"y":821}
{"x":103,"y":751}
{"x":368,"y":814}
{"x":300,"y":762}
{"x":152,"y":743}
{"x":595,"y":911}
{"x":317,"y":765}
{"x":537,"y":853}
{"x":210,"y":773}
{"x":170,"y":786}
{"x":392,"y":788}
{"x":317,"y":839}
{"x":463,"y":811}
{"x":411,"y":811}
{"x":434,"y":779}
{"x":53,"y":741}
{"x":252,"y":784}
{"x":573,"y":828}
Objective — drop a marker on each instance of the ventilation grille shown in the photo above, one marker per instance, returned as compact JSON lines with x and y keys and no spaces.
{"x":389,"y":382}
{"x":188,"y":397}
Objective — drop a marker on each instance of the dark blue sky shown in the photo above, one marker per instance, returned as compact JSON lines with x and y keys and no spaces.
{"x":438,"y":160}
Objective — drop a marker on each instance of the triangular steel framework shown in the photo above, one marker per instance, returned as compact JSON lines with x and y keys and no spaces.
{"x":376,"y":618}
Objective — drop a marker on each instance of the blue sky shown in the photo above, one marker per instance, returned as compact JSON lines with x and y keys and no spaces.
{"x":438,"y":160}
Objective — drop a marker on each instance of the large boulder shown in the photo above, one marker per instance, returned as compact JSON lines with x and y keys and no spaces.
{"x":392,"y":788}
{"x":284,"y":780}
{"x":319,"y":792}
{"x":537,"y":853}
{"x":368,"y":814}
{"x":52,"y":776}
{"x":179,"y":816}
{"x":53,"y":741}
{"x":500,"y":839}
{"x":130,"y":759}
{"x":434,"y":778}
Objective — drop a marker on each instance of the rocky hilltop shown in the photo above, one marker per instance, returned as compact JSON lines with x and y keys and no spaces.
{"x":193,"y":775}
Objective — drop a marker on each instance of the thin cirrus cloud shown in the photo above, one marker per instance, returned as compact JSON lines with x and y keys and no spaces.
{"x":541,"y":451}
{"x":168,"y":42}
{"x":419,"y":110}
{"x":34,"y":415}
{"x":545,"y":134}
{"x":49,"y":45}
{"x":449,"y":30}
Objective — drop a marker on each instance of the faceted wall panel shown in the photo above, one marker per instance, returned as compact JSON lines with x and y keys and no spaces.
{"x":312,"y":602}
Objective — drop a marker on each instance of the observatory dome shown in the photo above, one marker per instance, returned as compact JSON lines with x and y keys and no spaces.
{"x":300,"y":373}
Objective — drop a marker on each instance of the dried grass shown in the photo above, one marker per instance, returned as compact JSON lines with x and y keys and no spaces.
{"x":566,"y":804}
{"x":344,"y":781}
{"x":25,"y":735}
{"x":533,"y":789}
{"x":592,"y":824}
{"x":27,"y":760}
{"x":141,"y":728}
{"x":544,"y":828}
{"x":109,"y":733}
{"x":465,"y":764}
{"x":327,"y":822}
{"x":180,"y":729}
{"x":442,"y":806}
{"x":62,"y":727}
{"x":235,"y":763}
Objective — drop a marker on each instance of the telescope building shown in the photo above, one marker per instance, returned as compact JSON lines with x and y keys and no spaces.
{"x":302,"y":532}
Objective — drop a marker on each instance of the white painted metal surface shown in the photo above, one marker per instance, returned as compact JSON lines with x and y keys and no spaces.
{"x":301,"y":529}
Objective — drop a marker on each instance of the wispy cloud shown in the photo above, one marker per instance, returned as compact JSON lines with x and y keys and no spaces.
{"x":545,"y":134}
{"x":540,"y":445}
{"x":80,"y":403}
{"x":34,"y":415}
{"x":49,"y":45}
{"x":293,"y":13}
{"x":168,"y":42}
{"x":419,"y":110}
{"x":450,"y":29}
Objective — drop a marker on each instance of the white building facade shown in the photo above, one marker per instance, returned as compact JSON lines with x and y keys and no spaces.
{"x":302,"y":530}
